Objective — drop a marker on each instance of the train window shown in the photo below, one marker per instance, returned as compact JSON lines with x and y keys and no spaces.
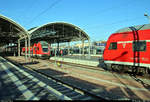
{"x":45,"y":49}
{"x":37,"y":48}
{"x":113,"y":46}
{"x":139,"y":46}
{"x":34,"y":48}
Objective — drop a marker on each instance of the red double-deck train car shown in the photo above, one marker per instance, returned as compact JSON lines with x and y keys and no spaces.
{"x":40,"y":49}
{"x":129,"y":48}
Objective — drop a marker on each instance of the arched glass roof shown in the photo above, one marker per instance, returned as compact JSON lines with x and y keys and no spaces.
{"x":57,"y":32}
{"x":10,"y":31}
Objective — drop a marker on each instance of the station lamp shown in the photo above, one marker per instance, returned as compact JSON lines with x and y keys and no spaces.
{"x":147,"y":16}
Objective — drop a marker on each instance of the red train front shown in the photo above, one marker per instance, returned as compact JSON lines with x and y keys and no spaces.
{"x":40,"y":49}
{"x":129,"y":48}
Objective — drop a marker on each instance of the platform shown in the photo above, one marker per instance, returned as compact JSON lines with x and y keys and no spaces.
{"x":77,"y":59}
{"x":19,"y":83}
{"x":103,"y":83}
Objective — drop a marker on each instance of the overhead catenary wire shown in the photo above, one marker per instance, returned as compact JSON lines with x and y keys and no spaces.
{"x":99,"y":12}
{"x":113,"y":23}
{"x":117,"y":22}
{"x":109,"y":9}
{"x":50,"y":7}
{"x":31,"y":6}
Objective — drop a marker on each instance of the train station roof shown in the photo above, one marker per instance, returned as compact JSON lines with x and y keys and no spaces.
{"x":10,"y":31}
{"x":57,"y":32}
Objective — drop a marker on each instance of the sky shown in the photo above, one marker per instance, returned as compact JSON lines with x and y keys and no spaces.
{"x":98,"y":18}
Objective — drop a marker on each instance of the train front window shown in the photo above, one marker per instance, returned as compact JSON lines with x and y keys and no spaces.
{"x":45,"y":49}
{"x":139,"y":46}
{"x":113,"y":46}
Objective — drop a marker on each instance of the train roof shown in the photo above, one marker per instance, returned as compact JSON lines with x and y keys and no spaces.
{"x":138,"y":27}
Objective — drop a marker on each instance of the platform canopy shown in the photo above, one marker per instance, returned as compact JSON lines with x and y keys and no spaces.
{"x":57,"y":32}
{"x":10,"y":31}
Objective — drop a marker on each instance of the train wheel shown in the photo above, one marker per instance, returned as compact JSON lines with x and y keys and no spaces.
{"x":112,"y":68}
{"x":121,"y":69}
{"x":117,"y":68}
{"x":148,"y":71}
{"x":147,"y":74}
{"x":126,"y":69}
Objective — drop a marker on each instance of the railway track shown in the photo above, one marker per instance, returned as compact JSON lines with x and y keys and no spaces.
{"x":78,"y":65}
{"x":81,"y":91}
{"x":91,"y":68}
{"x":61,"y":87}
{"x":32,"y":85}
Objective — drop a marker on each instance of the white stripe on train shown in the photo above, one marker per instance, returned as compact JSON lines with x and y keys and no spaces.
{"x":32,"y":54}
{"x":128,"y":63}
{"x":119,"y":42}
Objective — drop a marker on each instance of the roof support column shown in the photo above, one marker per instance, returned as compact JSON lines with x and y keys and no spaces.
{"x":82,"y":47}
{"x":25,"y":49}
{"x":19,"y":48}
{"x":89,"y":52}
{"x":68,"y":48}
{"x":57,"y":48}
{"x":29,"y":47}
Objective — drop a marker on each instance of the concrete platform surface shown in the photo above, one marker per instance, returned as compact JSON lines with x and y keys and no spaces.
{"x":18,"y":83}
{"x":105,"y":84}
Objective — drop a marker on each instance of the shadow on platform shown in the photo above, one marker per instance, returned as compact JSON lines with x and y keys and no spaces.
{"x":116,"y":93}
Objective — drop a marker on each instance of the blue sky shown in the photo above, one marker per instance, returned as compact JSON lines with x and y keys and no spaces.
{"x":98,"y":18}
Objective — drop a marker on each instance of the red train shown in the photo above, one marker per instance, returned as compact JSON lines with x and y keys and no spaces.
{"x":129,"y":49}
{"x":40,"y":49}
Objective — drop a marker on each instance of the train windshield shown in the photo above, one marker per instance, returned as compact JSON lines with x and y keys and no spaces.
{"x":45,"y":49}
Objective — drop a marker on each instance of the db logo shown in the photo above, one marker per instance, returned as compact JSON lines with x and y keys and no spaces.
{"x":124,"y":45}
